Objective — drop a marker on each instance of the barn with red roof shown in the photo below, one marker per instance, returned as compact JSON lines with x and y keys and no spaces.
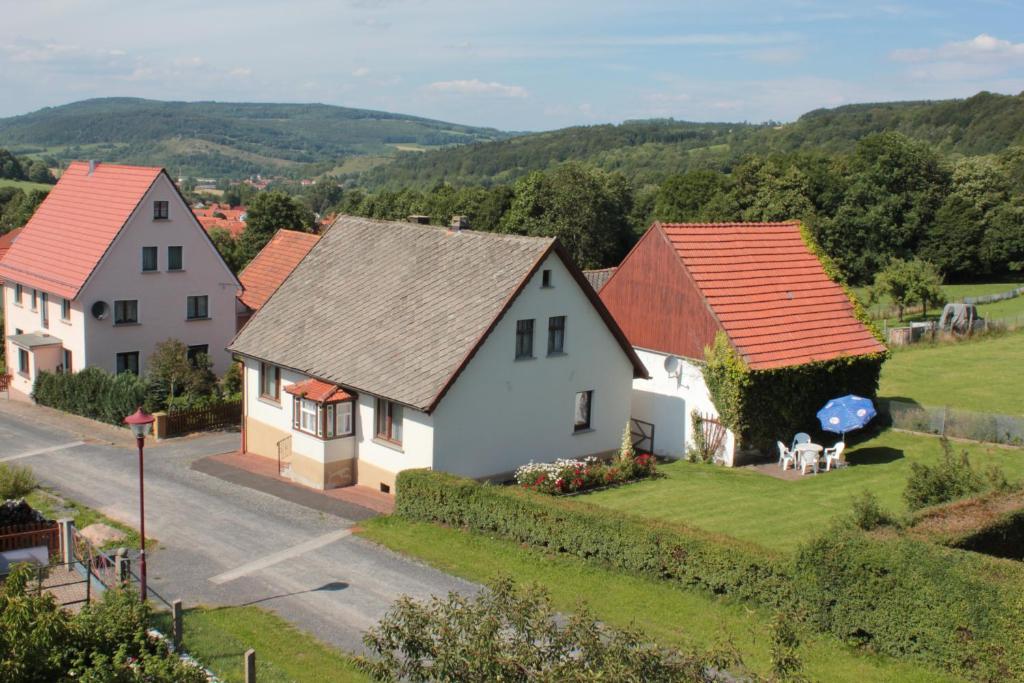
{"x":759,"y":284}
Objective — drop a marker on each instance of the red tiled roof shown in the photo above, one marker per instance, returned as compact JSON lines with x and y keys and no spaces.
{"x":770,"y":292}
{"x":321,"y":392}
{"x":7,"y":239}
{"x":71,"y":230}
{"x":235,"y":227}
{"x":273,"y":265}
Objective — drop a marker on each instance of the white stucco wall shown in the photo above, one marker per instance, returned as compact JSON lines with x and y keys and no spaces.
{"x":667,"y":402}
{"x":70,"y":333}
{"x":417,"y":449}
{"x":502,"y":413}
{"x":162,"y":295}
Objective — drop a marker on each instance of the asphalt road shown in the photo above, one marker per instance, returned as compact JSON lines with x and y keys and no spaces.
{"x":224,"y":544}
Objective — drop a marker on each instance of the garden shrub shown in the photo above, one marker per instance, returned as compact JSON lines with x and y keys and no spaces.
{"x":16,"y":481}
{"x":950,"y":478}
{"x":867,"y":511}
{"x":908,"y":598}
{"x":687,"y":556}
{"x":92,"y":393}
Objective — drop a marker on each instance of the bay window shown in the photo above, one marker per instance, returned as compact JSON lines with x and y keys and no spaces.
{"x":324,"y":421}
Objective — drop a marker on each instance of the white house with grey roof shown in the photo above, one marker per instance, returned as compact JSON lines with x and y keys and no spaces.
{"x":398,"y":345}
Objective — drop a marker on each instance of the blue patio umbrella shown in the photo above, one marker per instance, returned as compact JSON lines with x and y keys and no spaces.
{"x":841,"y":415}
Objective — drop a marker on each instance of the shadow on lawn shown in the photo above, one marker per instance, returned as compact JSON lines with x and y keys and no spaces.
{"x":877,"y":455}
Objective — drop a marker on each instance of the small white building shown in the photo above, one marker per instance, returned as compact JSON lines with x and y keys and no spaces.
{"x":398,"y":345}
{"x":758,"y":283}
{"x":112,"y":262}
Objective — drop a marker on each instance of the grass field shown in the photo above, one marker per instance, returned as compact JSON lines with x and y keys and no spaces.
{"x":219,"y":637}
{"x":25,"y":185}
{"x":781,"y":514}
{"x":666,"y":614}
{"x":955,"y":293}
{"x":983,"y":375}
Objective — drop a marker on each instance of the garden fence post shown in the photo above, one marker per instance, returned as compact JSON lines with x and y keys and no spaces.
{"x":67,"y":541}
{"x":250,"y":666}
{"x":176,"y":628}
{"x":123,"y":566}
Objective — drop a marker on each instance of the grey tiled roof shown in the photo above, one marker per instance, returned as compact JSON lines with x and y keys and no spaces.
{"x":597,"y":278}
{"x":391,"y":309}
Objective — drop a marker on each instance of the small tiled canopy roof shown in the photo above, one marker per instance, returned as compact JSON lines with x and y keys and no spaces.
{"x":273,"y":265}
{"x":321,"y":392}
{"x":71,"y":230}
{"x":770,"y":293}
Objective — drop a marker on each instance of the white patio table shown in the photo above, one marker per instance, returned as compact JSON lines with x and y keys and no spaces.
{"x":809,"y":452}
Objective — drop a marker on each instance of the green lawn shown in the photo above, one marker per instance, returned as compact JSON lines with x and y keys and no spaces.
{"x":668,"y":615}
{"x":25,"y":185}
{"x":781,"y":514}
{"x":995,"y":311}
{"x":219,"y":637}
{"x":56,"y":507}
{"x":983,"y":375}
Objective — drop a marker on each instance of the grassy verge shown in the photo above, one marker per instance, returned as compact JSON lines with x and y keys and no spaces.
{"x":25,"y":185}
{"x":982,"y":375}
{"x":219,"y":637}
{"x":782,"y":514}
{"x":667,"y":614}
{"x":56,"y":507}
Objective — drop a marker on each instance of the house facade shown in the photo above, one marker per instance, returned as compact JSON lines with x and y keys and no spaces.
{"x":758,"y":283}
{"x":112,"y":263}
{"x":397,"y":345}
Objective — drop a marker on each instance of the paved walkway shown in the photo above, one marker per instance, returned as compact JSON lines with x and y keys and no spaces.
{"x":224,"y":544}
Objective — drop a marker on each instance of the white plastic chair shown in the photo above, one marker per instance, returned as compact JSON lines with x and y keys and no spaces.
{"x":835,"y":455}
{"x":807,"y":459}
{"x":801,"y":437}
{"x":786,"y":456}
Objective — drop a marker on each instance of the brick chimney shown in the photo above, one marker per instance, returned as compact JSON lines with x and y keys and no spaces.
{"x":459,"y":223}
{"x":420,"y":219}
{"x":92,"y":166}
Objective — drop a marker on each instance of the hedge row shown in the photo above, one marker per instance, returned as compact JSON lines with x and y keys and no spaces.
{"x":1002,"y":537}
{"x":91,"y":393}
{"x":690,"y":557}
{"x":948,"y":608}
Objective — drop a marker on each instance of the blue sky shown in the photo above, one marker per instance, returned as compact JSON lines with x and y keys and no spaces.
{"x":523,"y":65}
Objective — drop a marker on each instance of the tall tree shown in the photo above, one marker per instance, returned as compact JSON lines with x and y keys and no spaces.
{"x":267,"y":213}
{"x":685,"y":197}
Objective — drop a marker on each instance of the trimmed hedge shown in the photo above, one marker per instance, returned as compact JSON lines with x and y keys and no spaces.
{"x":690,"y":557}
{"x":91,"y":393}
{"x":901,"y":597}
{"x":907,"y":598}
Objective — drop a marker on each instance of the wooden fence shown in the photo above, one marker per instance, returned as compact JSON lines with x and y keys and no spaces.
{"x":201,"y":419}
{"x":18,"y":536}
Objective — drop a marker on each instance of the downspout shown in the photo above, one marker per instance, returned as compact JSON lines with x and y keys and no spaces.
{"x":245,"y":404}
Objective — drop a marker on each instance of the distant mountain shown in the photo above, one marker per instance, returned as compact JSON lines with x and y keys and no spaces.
{"x":219,"y":139}
{"x":649,"y":151}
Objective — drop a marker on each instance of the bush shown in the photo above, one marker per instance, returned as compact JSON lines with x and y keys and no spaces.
{"x":92,"y":393}
{"x":949,"y":479}
{"x":686,"y":556}
{"x":15,"y":481}
{"x":908,"y":598}
{"x":511,"y":634}
{"x":867,"y":512}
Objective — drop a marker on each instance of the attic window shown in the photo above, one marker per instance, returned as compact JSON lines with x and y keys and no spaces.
{"x":161,"y":211}
{"x":545,"y":278}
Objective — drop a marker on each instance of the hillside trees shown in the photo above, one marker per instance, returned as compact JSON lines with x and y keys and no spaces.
{"x":586,"y":208}
{"x":907,"y":283}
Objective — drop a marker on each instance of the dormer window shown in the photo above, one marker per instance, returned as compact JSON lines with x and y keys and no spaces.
{"x":545,"y":278}
{"x":161,"y":211}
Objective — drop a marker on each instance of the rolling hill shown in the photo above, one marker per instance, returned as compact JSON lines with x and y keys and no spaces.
{"x":649,"y":151}
{"x":226,"y":139}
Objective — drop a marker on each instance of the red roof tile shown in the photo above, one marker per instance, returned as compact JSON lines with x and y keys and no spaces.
{"x":235,"y":227}
{"x":321,"y":392}
{"x":7,"y":239}
{"x":273,"y":265}
{"x":71,"y":230}
{"x":770,"y":293}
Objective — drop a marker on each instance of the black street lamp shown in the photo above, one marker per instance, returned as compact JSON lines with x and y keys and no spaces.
{"x":141,"y":424}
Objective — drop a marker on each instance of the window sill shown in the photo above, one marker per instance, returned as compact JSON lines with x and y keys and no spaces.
{"x":134,"y":324}
{"x":175,"y":270}
{"x":22,"y":373}
{"x":583,"y":431}
{"x":547,"y":286}
{"x":149,"y":272}
{"x":386,"y":443}
{"x":192,"y":320}
{"x":556,"y":354}
{"x":66,"y":321}
{"x":525,"y":358}
{"x":269,"y":401}
{"x":321,"y":438}
{"x":164,"y":218}
{"x":15,"y":303}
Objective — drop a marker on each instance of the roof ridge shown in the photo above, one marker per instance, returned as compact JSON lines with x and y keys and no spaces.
{"x":429,"y":227}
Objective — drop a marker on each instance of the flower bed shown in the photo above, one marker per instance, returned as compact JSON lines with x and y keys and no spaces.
{"x":572,"y":476}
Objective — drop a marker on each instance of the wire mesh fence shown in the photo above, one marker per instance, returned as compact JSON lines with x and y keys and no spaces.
{"x":954,"y":422}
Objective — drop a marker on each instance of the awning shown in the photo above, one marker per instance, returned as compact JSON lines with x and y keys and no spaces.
{"x":321,"y":392}
{"x":34,"y":339}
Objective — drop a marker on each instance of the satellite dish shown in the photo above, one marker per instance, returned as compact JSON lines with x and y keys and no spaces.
{"x":100,"y":310}
{"x":673,"y":366}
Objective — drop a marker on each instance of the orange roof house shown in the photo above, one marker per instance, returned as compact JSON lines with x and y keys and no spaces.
{"x":271,"y":267}
{"x":233,"y":218}
{"x":6,"y":240}
{"x":757,"y":282}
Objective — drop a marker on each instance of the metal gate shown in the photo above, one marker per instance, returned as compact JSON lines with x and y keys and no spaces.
{"x":643,"y":435}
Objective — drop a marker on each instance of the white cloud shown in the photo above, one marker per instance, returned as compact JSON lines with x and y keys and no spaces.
{"x":360,"y":72}
{"x":478,"y":87}
{"x":240,"y":72}
{"x":982,"y":47}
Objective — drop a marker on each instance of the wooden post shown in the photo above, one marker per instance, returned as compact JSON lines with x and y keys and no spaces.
{"x":250,"y":666}
{"x":88,"y":582}
{"x":67,"y":541}
{"x":176,"y":634}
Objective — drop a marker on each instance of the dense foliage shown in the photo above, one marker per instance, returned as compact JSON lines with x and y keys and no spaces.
{"x":23,"y":168}
{"x":16,"y":481}
{"x":765,"y":406}
{"x":17,"y":206}
{"x":952,"y":609}
{"x":104,"y":642}
{"x":92,"y":393}
{"x":950,"y":478}
{"x":224,"y":138}
{"x":507,"y":633}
